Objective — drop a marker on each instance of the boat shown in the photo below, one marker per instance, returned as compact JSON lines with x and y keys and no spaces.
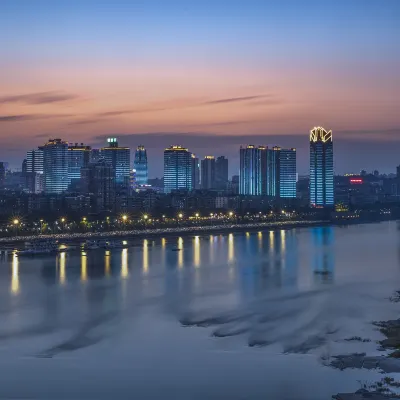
{"x":176,"y":249}
{"x":39,"y":247}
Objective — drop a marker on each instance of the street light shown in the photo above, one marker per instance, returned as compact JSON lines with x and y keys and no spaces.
{"x":124,"y":217}
{"x":16,"y":223}
{"x":180,"y":215}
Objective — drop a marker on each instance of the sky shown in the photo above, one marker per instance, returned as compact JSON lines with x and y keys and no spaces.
{"x":208,"y":75}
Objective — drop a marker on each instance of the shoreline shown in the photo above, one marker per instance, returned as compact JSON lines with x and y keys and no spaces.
{"x":138,"y":233}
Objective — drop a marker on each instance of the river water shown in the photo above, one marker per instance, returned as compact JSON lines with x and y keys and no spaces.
{"x":241,"y":315}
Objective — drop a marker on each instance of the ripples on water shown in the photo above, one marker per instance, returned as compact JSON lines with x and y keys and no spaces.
{"x":298,"y":291}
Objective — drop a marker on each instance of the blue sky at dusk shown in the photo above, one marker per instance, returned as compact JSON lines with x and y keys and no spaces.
{"x":210,"y":75}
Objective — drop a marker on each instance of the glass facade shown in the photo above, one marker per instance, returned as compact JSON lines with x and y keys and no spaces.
{"x":281,"y":173}
{"x":195,"y":172}
{"x":221,"y":172}
{"x":78,"y":157}
{"x":252,"y":173}
{"x":34,"y":161}
{"x":177,"y":169}
{"x":321,"y":168}
{"x":55,"y":166}
{"x":208,"y":172}
{"x":119,"y":158}
{"x":140,"y":165}
{"x":287,"y":174}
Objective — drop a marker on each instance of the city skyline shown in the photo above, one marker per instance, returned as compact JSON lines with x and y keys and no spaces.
{"x":208,"y":76}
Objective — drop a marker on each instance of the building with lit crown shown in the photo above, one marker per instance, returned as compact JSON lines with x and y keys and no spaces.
{"x":321,"y":168}
{"x":55,"y":166}
{"x":140,"y":165}
{"x":119,"y":158}
{"x":177,"y":169}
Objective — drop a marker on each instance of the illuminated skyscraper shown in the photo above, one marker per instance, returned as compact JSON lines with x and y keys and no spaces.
{"x":281,"y":172}
{"x":321,"y":168}
{"x":55,"y":166}
{"x":195,"y":172}
{"x":208,"y":172}
{"x":34,"y":161}
{"x":253,"y":163}
{"x":140,"y":165}
{"x":119,"y":158}
{"x":78,"y":157}
{"x":177,"y":169}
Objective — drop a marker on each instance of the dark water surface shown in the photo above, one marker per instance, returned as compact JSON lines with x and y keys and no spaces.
{"x":239,"y":315}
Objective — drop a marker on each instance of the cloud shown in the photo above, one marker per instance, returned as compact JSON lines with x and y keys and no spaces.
{"x":30,"y":117}
{"x":236,"y":99}
{"x":39,"y":98}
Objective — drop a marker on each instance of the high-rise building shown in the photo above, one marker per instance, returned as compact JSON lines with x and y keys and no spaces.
{"x":281,"y":173}
{"x":95,"y":155}
{"x":140,"y":164}
{"x":195,"y":172}
{"x":55,"y":166}
{"x":208,"y":172}
{"x":98,"y":180}
{"x":34,"y":160}
{"x":177,"y":169}
{"x":221,"y":172}
{"x":2,"y":174}
{"x":78,"y":157}
{"x":119,"y":158}
{"x":321,"y":168}
{"x":252,"y":173}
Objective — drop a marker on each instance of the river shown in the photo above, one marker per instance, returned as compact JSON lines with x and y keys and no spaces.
{"x":238,"y":315}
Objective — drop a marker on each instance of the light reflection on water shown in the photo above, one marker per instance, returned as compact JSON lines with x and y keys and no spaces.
{"x":244,"y":273}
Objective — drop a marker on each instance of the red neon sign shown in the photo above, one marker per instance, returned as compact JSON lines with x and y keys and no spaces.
{"x":356,"y":181}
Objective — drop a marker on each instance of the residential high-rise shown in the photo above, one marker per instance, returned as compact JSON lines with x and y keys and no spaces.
{"x":195,"y":172}
{"x":177,"y":169}
{"x":55,"y":166}
{"x":78,"y":157}
{"x":208,"y":172}
{"x":281,"y":173}
{"x":252,"y":173}
{"x":140,"y":164}
{"x":2,"y":175}
{"x":95,"y":155}
{"x":119,"y":158}
{"x":98,"y":180}
{"x":321,"y":168}
{"x":34,"y":160}
{"x":221,"y":172}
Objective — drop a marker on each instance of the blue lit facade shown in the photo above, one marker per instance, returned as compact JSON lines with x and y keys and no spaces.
{"x":281,"y":173}
{"x":287,"y":174}
{"x":252,"y":173}
{"x":140,"y":165}
{"x":321,"y":168}
{"x":55,"y":166}
{"x":119,"y":158}
{"x":177,"y":169}
{"x":78,"y":157}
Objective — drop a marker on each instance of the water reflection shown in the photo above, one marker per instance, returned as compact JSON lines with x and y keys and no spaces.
{"x":231,"y":248}
{"x":15,"y":275}
{"x":83,"y":267}
{"x":107,"y":261}
{"x":196,"y":252}
{"x":145,"y":257}
{"x":323,"y":262}
{"x":62,"y":268}
{"x":124,"y":264}
{"x":180,"y":253}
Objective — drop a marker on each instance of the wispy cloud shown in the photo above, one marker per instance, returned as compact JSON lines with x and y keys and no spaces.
{"x":39,"y":98}
{"x":30,"y":117}
{"x":236,"y":99}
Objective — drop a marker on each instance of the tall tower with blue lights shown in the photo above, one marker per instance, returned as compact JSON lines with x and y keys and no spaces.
{"x":321,"y":168}
{"x":140,"y":165}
